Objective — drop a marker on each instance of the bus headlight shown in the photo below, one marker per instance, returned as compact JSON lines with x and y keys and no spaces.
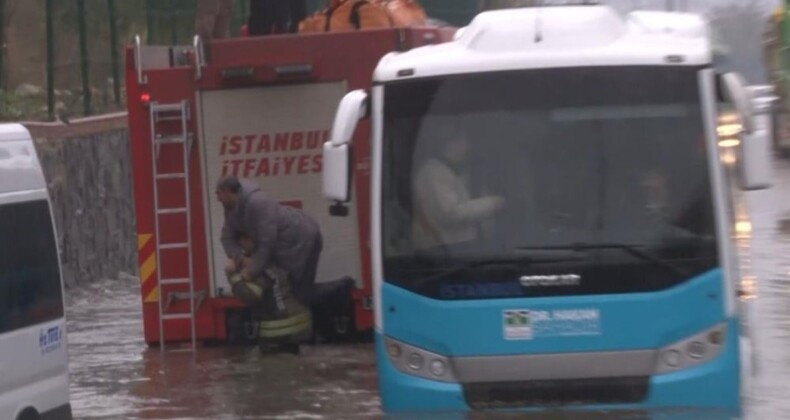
{"x":696,"y":349}
{"x":394,"y":350}
{"x":716,"y":337}
{"x":692,"y":351}
{"x":415,"y":361}
{"x":672,"y":357}
{"x":437,"y":368}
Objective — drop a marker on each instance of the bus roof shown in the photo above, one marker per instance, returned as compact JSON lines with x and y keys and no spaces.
{"x":568,"y":36}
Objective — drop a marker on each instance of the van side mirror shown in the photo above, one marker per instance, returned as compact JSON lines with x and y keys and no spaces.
{"x":754,"y":152}
{"x":337,"y":151}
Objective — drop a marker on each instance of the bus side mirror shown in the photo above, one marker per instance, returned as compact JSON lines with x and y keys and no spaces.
{"x":754,"y":160}
{"x":766,"y":101}
{"x":337,"y":151}
{"x":755,"y":166}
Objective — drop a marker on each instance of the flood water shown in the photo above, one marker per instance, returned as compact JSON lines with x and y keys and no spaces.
{"x":114,"y":375}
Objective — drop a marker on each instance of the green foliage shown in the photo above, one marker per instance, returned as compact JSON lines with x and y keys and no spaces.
{"x":14,"y":107}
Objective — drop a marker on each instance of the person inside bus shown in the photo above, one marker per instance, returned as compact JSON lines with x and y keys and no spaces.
{"x":446,"y":215}
{"x":658,"y":209}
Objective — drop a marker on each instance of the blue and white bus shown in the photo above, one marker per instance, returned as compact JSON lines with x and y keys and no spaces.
{"x":551,"y":214}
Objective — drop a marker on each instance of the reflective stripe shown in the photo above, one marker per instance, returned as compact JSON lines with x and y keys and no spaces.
{"x":281,"y":323}
{"x":285,"y":327}
{"x":235,"y":278}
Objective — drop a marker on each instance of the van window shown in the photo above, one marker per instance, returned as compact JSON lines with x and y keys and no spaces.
{"x":30,"y":288}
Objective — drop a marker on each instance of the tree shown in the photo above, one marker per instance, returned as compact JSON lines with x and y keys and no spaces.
{"x":7,"y":11}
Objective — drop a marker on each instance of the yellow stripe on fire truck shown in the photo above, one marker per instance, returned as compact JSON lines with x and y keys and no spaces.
{"x":147,"y":268}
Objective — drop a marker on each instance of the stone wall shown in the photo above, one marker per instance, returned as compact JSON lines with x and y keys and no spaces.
{"x":88,"y":170}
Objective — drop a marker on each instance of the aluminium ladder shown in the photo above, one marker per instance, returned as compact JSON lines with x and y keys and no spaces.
{"x":163,"y":113}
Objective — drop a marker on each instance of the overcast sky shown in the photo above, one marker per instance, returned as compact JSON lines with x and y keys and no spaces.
{"x":738,"y":33}
{"x":693,"y":5}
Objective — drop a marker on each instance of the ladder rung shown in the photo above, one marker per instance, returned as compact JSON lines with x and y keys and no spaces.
{"x":170,"y":176}
{"x":170,"y":139}
{"x":167,"y":107}
{"x":172,"y":211}
{"x":184,"y":350}
{"x":174,"y":246}
{"x":167,"y":317}
{"x":174,"y":281}
{"x":161,"y":119}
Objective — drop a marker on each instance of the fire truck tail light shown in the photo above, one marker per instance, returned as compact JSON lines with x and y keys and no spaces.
{"x":145,"y":98}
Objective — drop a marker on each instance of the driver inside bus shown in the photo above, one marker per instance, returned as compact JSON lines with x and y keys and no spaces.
{"x":657,"y":207}
{"x":445,"y":213}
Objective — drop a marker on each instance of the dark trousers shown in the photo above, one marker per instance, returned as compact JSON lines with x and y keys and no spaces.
{"x":304,"y":287}
{"x":269,"y":17}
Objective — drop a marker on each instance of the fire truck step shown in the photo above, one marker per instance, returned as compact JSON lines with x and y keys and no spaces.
{"x":170,"y":317}
{"x":174,"y":281}
{"x":159,"y":118}
{"x":167,"y":107}
{"x":172,"y":211}
{"x":170,"y":176}
{"x":174,"y":246}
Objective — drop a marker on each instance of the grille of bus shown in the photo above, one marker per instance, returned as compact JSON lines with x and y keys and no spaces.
{"x":556,"y":392}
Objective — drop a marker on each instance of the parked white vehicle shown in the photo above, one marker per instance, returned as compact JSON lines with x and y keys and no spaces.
{"x":34,"y":380}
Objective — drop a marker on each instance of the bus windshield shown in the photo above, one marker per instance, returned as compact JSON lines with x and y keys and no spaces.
{"x":548,"y":182}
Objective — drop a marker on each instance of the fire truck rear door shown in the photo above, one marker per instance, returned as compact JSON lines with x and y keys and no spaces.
{"x":274,"y":135}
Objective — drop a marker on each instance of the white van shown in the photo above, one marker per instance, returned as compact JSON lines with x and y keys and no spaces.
{"x":34,"y":382}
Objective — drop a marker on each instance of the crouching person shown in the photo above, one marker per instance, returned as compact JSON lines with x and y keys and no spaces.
{"x":282,"y":322}
{"x":285,"y":243}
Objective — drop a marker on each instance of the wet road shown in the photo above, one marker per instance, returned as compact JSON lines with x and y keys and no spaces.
{"x":769,"y":393}
{"x":115,"y":376}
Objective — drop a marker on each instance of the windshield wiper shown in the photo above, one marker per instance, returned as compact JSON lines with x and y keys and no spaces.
{"x":633,"y":249}
{"x":515,"y":261}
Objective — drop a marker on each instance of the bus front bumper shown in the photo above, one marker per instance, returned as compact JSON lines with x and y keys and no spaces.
{"x":709,"y":389}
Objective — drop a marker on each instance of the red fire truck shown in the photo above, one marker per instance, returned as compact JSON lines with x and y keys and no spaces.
{"x":259,"y":108}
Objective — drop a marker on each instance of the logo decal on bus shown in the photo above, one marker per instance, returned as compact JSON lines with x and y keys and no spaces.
{"x":50,"y":339}
{"x":524,"y":324}
{"x":517,"y":324}
{"x":551,"y":280}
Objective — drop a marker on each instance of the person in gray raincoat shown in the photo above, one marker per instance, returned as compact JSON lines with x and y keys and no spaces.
{"x":284,"y":237}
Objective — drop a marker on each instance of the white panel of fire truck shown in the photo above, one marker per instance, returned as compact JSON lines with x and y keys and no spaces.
{"x":274,"y":136}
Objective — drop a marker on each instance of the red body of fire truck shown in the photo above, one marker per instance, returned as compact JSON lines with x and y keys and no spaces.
{"x":259,"y":108}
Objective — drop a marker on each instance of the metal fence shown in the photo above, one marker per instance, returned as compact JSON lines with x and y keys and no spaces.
{"x":64,"y":58}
